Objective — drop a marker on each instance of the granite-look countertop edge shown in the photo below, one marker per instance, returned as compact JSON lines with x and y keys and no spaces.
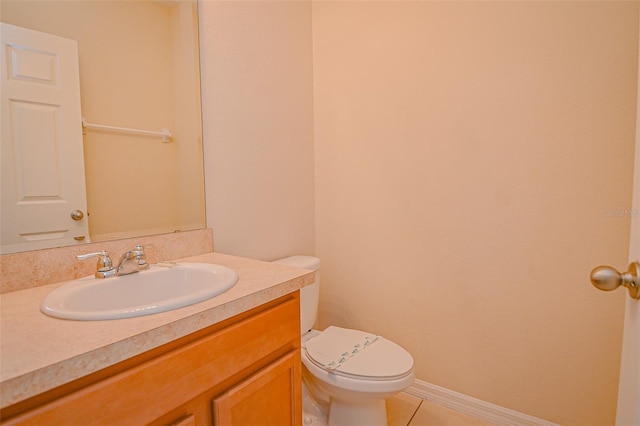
{"x":84,"y":347}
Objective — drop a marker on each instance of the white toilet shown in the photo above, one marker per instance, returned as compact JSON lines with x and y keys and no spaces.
{"x":347,"y":374}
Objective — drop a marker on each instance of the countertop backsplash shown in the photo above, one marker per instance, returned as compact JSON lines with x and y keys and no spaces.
{"x":19,"y":271}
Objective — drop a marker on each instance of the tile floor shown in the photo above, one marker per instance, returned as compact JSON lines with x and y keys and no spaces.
{"x":408,"y":410}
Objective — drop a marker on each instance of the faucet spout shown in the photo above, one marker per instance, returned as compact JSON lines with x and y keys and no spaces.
{"x":132,"y":261}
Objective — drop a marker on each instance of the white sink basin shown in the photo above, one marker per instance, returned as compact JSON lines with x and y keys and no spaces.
{"x":158,"y":289}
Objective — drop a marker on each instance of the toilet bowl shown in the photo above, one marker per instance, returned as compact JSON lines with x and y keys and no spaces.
{"x":347,"y":374}
{"x":355,"y":393}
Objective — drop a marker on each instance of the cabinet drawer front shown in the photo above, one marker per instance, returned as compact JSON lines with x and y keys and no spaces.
{"x":147,"y":391}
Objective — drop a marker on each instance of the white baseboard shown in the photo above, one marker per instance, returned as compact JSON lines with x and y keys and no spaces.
{"x":473,"y":407}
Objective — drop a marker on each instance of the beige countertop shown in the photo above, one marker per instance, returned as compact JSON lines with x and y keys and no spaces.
{"x":39,"y":353}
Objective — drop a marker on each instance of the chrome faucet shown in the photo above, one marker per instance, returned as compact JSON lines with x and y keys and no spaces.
{"x":131,"y":261}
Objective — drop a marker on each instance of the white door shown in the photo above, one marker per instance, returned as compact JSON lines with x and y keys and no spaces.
{"x":628,"y":413}
{"x":42,"y":157}
{"x":629,"y":389}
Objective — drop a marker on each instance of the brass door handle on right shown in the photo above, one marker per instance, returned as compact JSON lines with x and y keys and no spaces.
{"x":607,"y":278}
{"x":77,"y":215}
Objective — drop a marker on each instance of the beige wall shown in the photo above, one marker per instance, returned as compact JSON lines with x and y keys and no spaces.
{"x":471,"y":160}
{"x":469,"y":156}
{"x":257,"y":118}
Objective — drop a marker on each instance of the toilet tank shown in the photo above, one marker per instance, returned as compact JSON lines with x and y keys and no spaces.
{"x":310,"y":294}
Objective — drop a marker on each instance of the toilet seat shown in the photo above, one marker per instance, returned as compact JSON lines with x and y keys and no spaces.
{"x":358,"y":354}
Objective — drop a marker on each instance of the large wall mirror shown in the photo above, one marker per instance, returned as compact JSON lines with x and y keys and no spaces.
{"x":138,"y":69}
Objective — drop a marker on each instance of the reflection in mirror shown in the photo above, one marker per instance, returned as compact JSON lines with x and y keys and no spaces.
{"x":138,"y":69}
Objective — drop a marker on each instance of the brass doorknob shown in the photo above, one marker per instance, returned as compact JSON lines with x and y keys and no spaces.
{"x":607,"y":278}
{"x":77,"y":215}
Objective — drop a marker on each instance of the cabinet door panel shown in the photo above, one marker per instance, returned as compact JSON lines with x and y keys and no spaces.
{"x":271,"y":397}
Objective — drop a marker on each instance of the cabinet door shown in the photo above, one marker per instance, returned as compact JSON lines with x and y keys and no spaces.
{"x":271,"y":397}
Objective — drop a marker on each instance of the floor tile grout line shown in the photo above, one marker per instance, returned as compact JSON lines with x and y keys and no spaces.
{"x":415,"y":412}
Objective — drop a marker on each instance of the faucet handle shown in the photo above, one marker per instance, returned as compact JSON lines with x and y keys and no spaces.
{"x":142,"y":247}
{"x":141,"y":256}
{"x":104,"y":268}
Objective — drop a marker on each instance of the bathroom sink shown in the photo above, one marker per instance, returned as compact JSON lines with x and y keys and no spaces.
{"x":159,"y":289}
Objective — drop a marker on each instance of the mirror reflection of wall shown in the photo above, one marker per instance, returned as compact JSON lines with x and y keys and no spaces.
{"x":139,"y":69}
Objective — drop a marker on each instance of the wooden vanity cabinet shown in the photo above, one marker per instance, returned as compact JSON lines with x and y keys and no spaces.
{"x":243,"y":371}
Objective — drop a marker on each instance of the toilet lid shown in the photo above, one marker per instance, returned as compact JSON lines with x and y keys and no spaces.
{"x":358,"y":353}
